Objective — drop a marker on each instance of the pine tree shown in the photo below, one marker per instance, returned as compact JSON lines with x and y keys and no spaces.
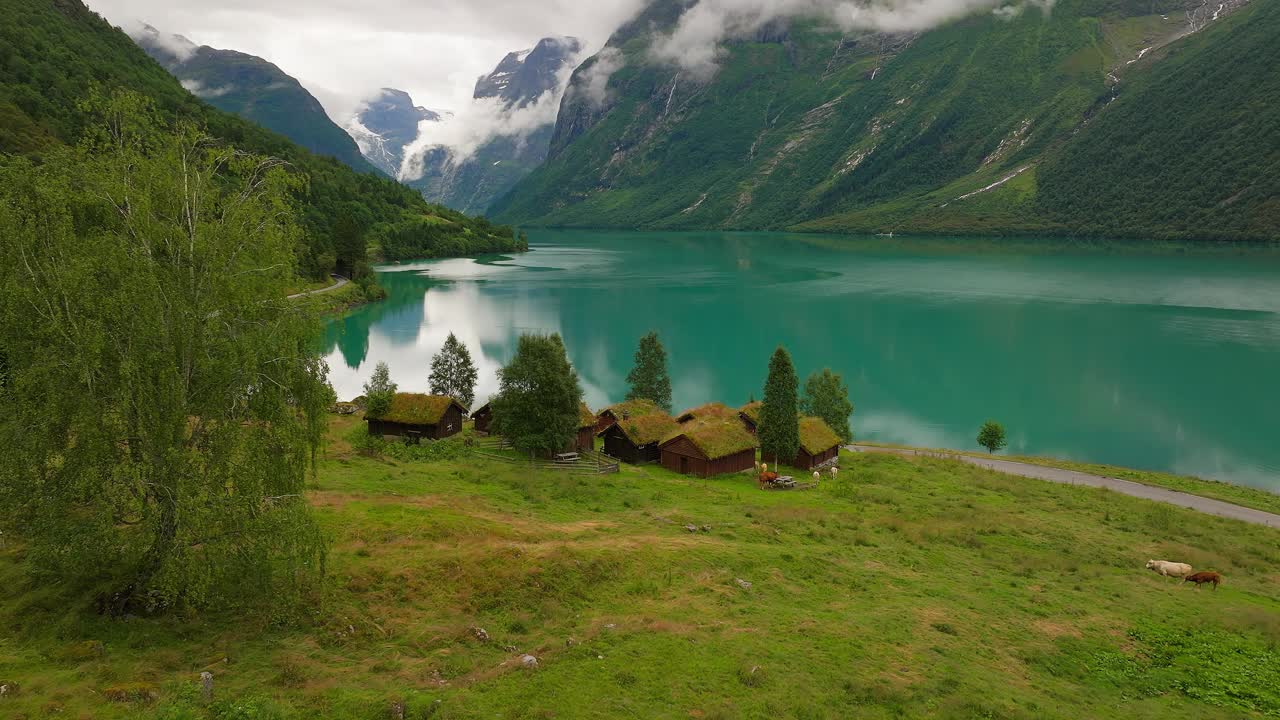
{"x":779,"y":429}
{"x":379,"y":391}
{"x":452,"y":372}
{"x":536,"y":407}
{"x":826,"y":396}
{"x":648,"y":378}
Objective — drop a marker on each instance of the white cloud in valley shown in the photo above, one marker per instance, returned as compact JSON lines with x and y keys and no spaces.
{"x":696,"y":42}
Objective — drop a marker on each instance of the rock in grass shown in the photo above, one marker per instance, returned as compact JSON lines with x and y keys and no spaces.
{"x":206,"y":686}
{"x":8,"y":688}
{"x":480,"y":634}
{"x":691,"y":528}
{"x":529,"y":661}
{"x":745,"y":585}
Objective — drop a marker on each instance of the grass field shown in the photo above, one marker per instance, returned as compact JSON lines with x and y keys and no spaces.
{"x":907,"y":588}
{"x":1227,"y":492}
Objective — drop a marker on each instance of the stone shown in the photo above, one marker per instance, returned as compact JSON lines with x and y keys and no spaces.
{"x":570,"y":642}
{"x":206,"y":686}
{"x":480,"y":634}
{"x":691,"y":528}
{"x":745,"y":585}
{"x":397,"y":710}
{"x":8,"y":688}
{"x":529,"y":661}
{"x":706,"y":528}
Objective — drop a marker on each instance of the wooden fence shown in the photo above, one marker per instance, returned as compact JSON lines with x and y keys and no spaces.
{"x":587,"y":463}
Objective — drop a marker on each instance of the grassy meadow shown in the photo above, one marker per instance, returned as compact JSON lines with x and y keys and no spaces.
{"x":906,"y":588}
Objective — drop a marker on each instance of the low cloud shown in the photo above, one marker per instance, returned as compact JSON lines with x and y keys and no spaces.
{"x":696,"y":43}
{"x":197,"y":88}
{"x":176,"y":45}
{"x":467,"y":129}
{"x":593,"y":84}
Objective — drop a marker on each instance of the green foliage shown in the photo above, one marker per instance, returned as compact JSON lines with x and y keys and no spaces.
{"x":648,"y":377}
{"x":453,"y":373}
{"x":536,"y":407}
{"x":779,"y":427}
{"x":982,"y":125}
{"x":164,"y":407}
{"x":827,"y":396}
{"x":379,"y":391}
{"x":991,"y":436}
{"x":56,"y":53}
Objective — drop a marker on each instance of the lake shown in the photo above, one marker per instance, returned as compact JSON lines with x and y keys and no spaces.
{"x":1157,"y":361}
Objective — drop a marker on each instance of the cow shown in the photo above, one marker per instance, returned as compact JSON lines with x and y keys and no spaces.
{"x":1201,"y":578}
{"x":1169,"y":569}
{"x":817,"y":476}
{"x":834,"y":471}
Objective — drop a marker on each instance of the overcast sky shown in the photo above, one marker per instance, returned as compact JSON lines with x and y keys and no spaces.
{"x":343,"y":50}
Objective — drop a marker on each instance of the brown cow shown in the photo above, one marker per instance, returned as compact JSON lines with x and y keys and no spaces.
{"x":1204,"y":577}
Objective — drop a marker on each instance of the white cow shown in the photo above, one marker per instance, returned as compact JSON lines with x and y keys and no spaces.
{"x":834,"y":470}
{"x":1169,"y":569}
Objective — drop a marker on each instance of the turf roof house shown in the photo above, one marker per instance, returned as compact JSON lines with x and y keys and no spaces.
{"x":624,"y":410}
{"x":482,"y":417}
{"x":749,"y":414}
{"x":416,"y":416}
{"x":635,"y":439}
{"x":711,"y":446}
{"x":703,"y":412}
{"x":819,"y":444}
{"x":585,"y":440}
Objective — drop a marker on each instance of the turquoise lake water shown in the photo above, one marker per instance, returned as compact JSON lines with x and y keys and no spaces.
{"x":1165,"y":362}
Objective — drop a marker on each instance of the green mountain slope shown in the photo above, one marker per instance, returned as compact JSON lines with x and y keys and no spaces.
{"x":56,"y":53}
{"x":947,"y":131}
{"x":254,"y":89}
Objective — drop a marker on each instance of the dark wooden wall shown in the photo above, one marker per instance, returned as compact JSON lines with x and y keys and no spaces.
{"x":806,"y":461}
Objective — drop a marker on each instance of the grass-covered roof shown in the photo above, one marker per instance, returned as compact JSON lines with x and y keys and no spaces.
{"x":633,"y":409}
{"x":648,"y":429}
{"x":716,"y":437}
{"x":417,"y":409}
{"x":711,"y":409}
{"x":816,"y":436}
{"x":586,"y":418}
{"x":752,"y":411}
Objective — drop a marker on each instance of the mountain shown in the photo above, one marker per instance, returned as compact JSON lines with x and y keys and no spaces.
{"x":386,"y":125}
{"x":254,"y":89}
{"x":517,"y":101}
{"x":56,"y":54}
{"x":1014,"y":121}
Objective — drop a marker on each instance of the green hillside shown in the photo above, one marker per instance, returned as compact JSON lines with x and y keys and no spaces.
{"x":257,"y":91}
{"x":55,"y":54}
{"x":953,"y":130}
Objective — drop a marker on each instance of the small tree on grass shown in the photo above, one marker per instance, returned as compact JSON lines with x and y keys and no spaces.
{"x":779,"y":428}
{"x":991,"y":436}
{"x":826,"y":396}
{"x":649,"y":379}
{"x":379,"y":391}
{"x":452,"y":372}
{"x":536,"y":407}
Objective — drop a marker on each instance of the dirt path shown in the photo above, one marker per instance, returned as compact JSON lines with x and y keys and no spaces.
{"x":341,"y":281}
{"x":1072,"y":477}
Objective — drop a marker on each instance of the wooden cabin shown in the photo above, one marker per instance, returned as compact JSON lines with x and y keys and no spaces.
{"x":635,"y":439}
{"x":415,"y":416}
{"x":585,"y":440}
{"x":818,"y":443}
{"x":482,"y":418}
{"x":702,"y":412}
{"x":749,"y":414}
{"x":711,"y":446}
{"x":625,"y":410}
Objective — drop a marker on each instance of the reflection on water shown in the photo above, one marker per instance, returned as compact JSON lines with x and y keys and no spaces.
{"x":1147,"y":361}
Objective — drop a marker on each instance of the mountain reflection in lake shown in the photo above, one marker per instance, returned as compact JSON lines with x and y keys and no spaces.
{"x":1152,"y":361}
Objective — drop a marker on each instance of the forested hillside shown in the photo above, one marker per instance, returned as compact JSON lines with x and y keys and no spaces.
{"x":56,"y":54}
{"x":254,"y":89}
{"x":951,"y":130}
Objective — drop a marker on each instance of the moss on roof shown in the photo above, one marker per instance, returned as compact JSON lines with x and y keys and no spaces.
{"x":752,"y":411}
{"x":711,"y":409}
{"x":416,"y":409}
{"x":716,"y":437}
{"x":586,"y":418}
{"x":648,"y":428}
{"x":634,"y":409}
{"x":816,"y":436}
